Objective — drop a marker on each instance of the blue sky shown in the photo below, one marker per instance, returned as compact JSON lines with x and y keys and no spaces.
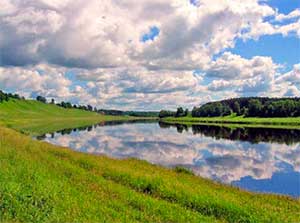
{"x":150,"y":55}
{"x":284,"y":6}
{"x":283,"y":50}
{"x":153,"y":32}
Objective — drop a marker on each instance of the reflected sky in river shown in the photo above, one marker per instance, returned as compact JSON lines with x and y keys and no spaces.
{"x":255,"y":159}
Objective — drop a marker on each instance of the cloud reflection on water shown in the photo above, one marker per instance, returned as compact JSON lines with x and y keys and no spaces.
{"x":215,"y":157}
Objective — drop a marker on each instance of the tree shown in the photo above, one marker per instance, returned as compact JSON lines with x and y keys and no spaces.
{"x":52,"y":101}
{"x":226,"y":110}
{"x":180,"y":112}
{"x":68,"y":105}
{"x":244,"y":111}
{"x":255,"y":108}
{"x":41,"y":99}
{"x":237,"y":108}
{"x":186,"y":112}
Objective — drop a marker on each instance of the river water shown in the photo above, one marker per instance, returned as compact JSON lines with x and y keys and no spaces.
{"x":256,"y":159}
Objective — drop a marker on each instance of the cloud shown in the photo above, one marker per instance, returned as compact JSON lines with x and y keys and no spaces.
{"x":234,"y":67}
{"x":108,"y":34}
{"x":247,"y":76}
{"x":288,"y":83}
{"x":100,"y":58}
{"x":42,"y":79}
{"x":292,"y":76}
{"x":221,"y":159}
{"x":292,"y":91}
{"x":293,"y":14}
{"x":141,"y":87}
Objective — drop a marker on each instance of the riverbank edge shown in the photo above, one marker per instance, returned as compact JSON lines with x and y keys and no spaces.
{"x":280,"y":123}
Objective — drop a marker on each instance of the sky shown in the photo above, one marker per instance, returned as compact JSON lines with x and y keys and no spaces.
{"x":149,"y":54}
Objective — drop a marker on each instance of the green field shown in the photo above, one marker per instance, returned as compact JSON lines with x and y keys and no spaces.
{"x":35,"y":118}
{"x":235,"y":121}
{"x":40,"y":182}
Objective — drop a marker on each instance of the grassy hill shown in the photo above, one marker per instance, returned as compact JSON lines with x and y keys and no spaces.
{"x":34,"y":117}
{"x":40,"y":182}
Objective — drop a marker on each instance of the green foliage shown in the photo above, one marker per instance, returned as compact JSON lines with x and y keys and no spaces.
{"x":128,"y":113}
{"x":236,"y":108}
{"x":41,"y":99}
{"x":142,"y":113}
{"x":255,"y":108}
{"x":251,"y":107}
{"x":6,"y":96}
{"x":3,"y":96}
{"x":66,"y":105}
{"x":181,"y":169}
{"x":181,"y":112}
{"x":165,"y":113}
{"x":211,"y":110}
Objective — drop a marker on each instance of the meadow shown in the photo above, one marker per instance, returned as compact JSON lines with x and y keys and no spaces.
{"x":40,"y":182}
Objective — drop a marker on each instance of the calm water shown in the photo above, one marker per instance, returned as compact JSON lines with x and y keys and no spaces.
{"x":264,"y":160}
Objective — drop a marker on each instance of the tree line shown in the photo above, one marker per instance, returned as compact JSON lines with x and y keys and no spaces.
{"x":6,"y":96}
{"x":129,"y":113}
{"x":181,"y":112}
{"x":100,"y":111}
{"x":247,"y":107}
{"x":250,"y":107}
{"x":66,"y":104}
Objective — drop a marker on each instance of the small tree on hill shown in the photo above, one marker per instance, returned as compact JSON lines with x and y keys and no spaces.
{"x":41,"y":99}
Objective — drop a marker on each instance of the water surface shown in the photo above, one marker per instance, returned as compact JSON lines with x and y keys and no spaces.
{"x":256,"y":159}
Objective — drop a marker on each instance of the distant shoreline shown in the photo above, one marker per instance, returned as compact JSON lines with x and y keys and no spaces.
{"x":238,"y":121}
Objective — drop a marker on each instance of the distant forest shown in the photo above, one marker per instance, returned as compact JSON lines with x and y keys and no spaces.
{"x":248,"y":107}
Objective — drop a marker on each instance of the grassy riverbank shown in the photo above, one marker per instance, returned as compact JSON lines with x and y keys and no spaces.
{"x":33,"y":117}
{"x":40,"y":182}
{"x":289,"y":123}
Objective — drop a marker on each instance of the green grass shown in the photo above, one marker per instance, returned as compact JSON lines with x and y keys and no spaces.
{"x":35,"y":118}
{"x":235,"y":121}
{"x":40,"y":182}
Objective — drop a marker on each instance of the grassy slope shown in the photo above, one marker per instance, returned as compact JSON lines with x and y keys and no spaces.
{"x":35,"y":118}
{"x":289,"y":123}
{"x":40,"y":182}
